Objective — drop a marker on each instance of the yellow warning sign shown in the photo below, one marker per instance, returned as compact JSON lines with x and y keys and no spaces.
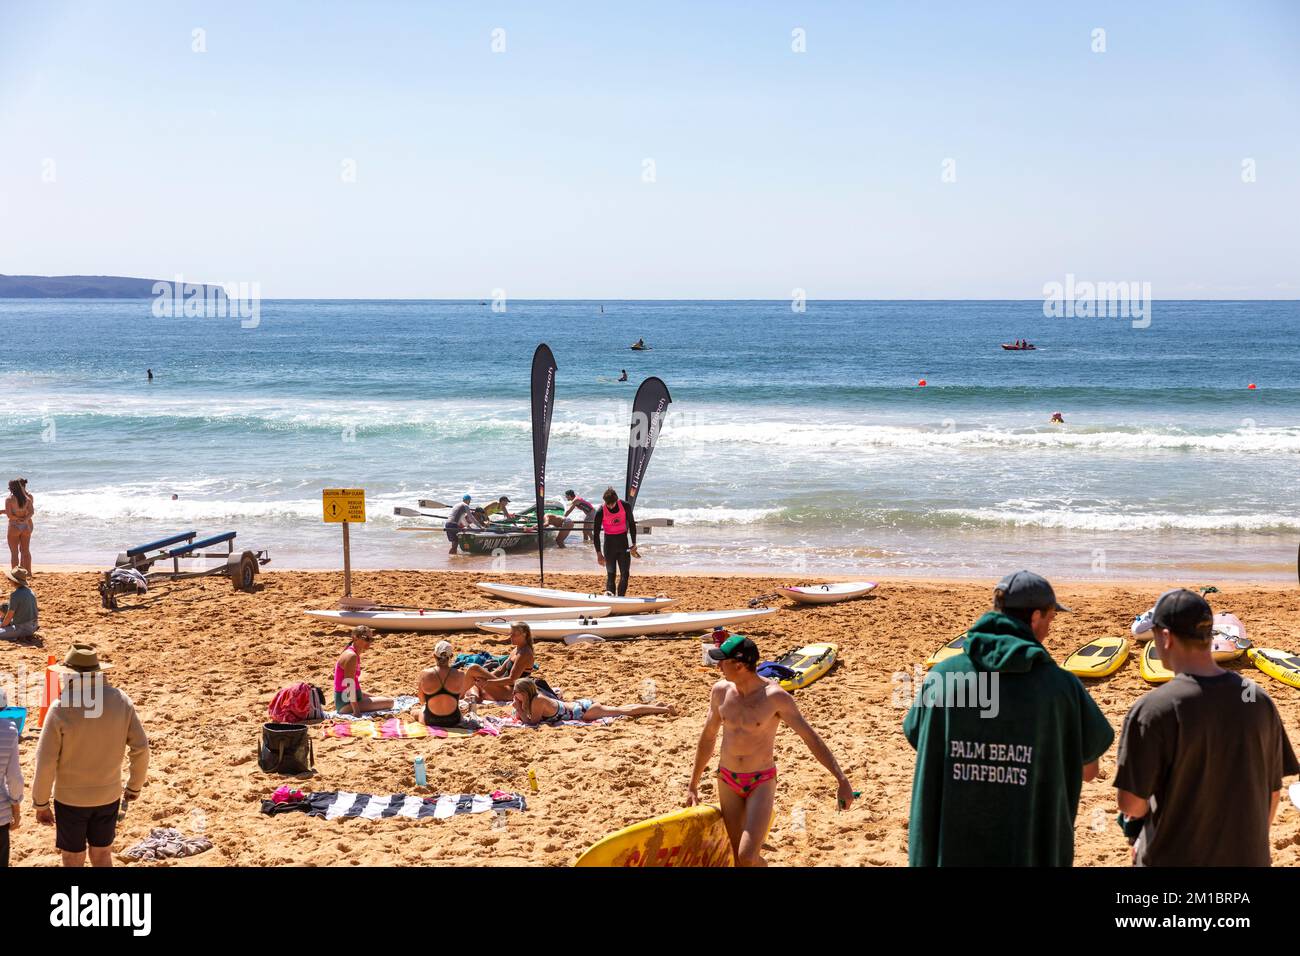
{"x":344,"y":504}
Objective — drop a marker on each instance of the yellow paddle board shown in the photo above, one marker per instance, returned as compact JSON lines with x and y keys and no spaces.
{"x":695,"y":836}
{"x":1153,"y":671}
{"x":1279,"y":665}
{"x":1099,"y":658}
{"x":954,"y":647}
{"x":811,"y":662}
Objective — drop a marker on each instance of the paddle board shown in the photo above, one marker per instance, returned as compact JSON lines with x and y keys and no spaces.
{"x":811,"y":662}
{"x":1279,"y":665}
{"x":677,"y":623}
{"x":449,"y":620}
{"x":1230,"y":640}
{"x":828,"y":593}
{"x":693,"y":837}
{"x":1099,"y":658}
{"x":1153,"y":671}
{"x":551,"y":597}
{"x":954,"y":647}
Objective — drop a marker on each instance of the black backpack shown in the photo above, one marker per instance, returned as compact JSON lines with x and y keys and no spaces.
{"x":286,"y":748}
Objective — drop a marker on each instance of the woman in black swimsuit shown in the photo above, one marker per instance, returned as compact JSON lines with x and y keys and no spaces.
{"x":440,"y":688}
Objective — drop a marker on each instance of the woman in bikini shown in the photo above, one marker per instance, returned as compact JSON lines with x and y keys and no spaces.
{"x":499,"y":685}
{"x":19,"y":509}
{"x":441,"y":687}
{"x":532,"y":707}
{"x":348,"y":696}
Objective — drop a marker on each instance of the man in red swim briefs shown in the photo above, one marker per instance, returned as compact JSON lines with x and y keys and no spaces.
{"x":749,"y":709}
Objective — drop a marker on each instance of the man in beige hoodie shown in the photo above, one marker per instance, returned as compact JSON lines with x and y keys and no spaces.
{"x":79,"y":759}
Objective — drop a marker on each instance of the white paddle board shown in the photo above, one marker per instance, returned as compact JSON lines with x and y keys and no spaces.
{"x":678,"y":623}
{"x":450,"y":620}
{"x":828,"y":593}
{"x":551,"y":597}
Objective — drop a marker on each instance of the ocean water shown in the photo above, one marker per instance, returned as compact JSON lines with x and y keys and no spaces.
{"x":796,"y":442}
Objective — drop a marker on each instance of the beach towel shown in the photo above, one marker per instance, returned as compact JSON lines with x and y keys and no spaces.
{"x":335,"y":804}
{"x":165,"y":843}
{"x":501,"y":723}
{"x":481,"y":658}
{"x":400,"y":706}
{"x":394,"y":728}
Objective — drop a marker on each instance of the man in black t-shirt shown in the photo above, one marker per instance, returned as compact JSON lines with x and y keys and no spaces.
{"x":1201,"y":759}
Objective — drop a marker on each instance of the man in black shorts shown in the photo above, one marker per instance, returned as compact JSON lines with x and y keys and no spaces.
{"x":79,"y":759}
{"x":1201,"y":759}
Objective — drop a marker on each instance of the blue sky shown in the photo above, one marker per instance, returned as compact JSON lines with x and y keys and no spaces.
{"x":774,"y":170}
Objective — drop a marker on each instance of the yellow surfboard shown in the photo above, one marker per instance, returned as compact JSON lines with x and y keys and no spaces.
{"x":1279,"y":665}
{"x":811,"y":662}
{"x":1153,"y":670}
{"x":693,"y":837}
{"x":1099,"y":658}
{"x":954,"y":647}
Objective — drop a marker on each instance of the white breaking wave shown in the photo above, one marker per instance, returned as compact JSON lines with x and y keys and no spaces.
{"x":1110,"y":521}
{"x":698,"y":516}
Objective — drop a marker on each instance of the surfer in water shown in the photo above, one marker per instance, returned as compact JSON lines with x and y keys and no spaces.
{"x":623,"y":376}
{"x":1056,"y":419}
{"x":615,"y":519}
{"x":749,"y":709}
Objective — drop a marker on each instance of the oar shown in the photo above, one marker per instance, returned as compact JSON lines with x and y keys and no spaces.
{"x":428,"y":503}
{"x":426,"y":530}
{"x":412,"y":513}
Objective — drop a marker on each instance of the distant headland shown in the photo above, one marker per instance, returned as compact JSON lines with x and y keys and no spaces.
{"x":76,"y":287}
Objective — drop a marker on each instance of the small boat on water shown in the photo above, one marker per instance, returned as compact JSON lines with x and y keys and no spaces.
{"x":1013,"y":347}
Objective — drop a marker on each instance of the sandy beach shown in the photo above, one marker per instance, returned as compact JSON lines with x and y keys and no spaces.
{"x":201,"y":662}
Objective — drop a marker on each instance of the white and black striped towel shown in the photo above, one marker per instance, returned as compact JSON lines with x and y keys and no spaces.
{"x":334,"y":804}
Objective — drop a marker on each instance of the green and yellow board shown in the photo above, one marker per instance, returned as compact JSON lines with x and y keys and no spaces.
{"x":809,"y":663}
{"x":693,"y":837}
{"x":1279,"y":665}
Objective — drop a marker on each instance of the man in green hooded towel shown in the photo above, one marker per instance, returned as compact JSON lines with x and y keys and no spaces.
{"x":1004,"y":739}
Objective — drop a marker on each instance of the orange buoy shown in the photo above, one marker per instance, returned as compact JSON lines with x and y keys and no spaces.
{"x":51,"y":688}
{"x":1251,"y":385}
{"x":922,"y":383}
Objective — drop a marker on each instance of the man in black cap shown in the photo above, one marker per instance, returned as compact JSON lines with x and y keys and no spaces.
{"x":749,"y":709}
{"x":1202,"y":757}
{"x":1004,"y":739}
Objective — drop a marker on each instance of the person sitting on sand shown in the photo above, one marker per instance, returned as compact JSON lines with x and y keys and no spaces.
{"x":499,"y":684}
{"x":749,"y":709}
{"x":534,"y":707}
{"x":1207,"y":739}
{"x":20,"y":618}
{"x":19,"y":509}
{"x":1004,"y":739}
{"x":348,"y":696}
{"x":441,"y":687}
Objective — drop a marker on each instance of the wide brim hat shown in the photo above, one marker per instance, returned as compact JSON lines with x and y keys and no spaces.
{"x":80,"y":659}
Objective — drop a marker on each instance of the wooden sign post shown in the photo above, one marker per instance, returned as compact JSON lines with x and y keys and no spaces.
{"x":343,"y":506}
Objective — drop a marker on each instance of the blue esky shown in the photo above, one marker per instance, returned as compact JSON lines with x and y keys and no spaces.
{"x":775,"y":170}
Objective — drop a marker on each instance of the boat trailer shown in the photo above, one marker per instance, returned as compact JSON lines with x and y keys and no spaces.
{"x":136,"y":566}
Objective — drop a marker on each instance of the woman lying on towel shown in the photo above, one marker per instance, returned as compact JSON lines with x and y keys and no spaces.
{"x":441,"y":687}
{"x":534,"y":708}
{"x":348,"y":696}
{"x":499,"y":685}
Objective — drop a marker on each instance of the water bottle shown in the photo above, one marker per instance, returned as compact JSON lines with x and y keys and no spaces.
{"x":421,"y":778}
{"x":532,"y":779}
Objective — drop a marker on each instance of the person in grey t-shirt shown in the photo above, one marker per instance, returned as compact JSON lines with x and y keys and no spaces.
{"x":1201,"y":759}
{"x":461,"y":516}
{"x":20,"y":615}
